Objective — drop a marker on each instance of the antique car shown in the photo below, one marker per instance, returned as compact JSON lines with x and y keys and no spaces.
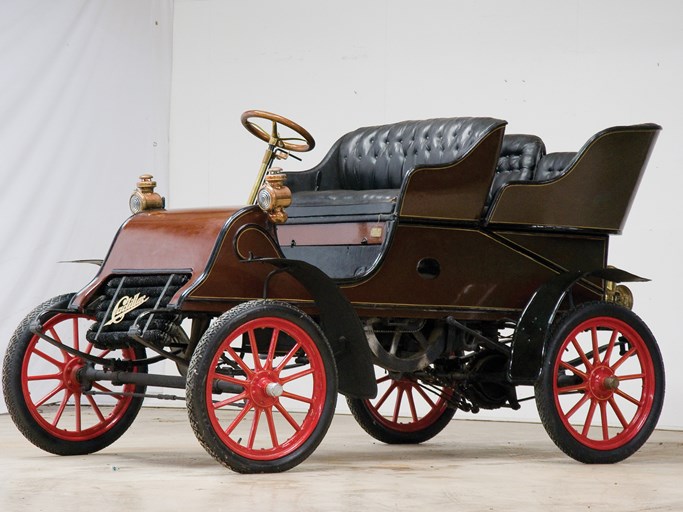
{"x":421,"y":268}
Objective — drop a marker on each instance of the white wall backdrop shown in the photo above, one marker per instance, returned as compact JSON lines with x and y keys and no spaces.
{"x":561,"y":70}
{"x":84,"y":110}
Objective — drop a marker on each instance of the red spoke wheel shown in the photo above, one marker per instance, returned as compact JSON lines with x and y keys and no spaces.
{"x":403,"y":412}
{"x":45,"y":397}
{"x":262,"y":387}
{"x":602,"y":386}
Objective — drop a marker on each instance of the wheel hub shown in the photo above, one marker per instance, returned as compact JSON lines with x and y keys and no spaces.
{"x":265,"y":389}
{"x":70,"y":374}
{"x":603,"y":383}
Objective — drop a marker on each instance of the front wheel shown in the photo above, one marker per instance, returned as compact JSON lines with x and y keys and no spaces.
{"x":45,"y":396}
{"x":602,"y":386}
{"x":262,"y":387}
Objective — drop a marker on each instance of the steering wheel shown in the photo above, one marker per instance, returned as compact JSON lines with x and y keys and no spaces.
{"x":273,"y":137}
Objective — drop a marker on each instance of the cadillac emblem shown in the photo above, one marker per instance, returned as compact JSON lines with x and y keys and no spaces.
{"x":125,"y":305}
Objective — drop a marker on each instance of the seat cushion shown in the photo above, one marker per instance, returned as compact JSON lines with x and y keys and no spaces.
{"x":342,"y":202}
{"x":553,"y":165}
{"x":379,"y":157}
{"x":519,"y":156}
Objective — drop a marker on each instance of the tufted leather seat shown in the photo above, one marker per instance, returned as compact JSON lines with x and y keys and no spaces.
{"x":519,"y":156}
{"x":553,"y":165}
{"x":364,"y":170}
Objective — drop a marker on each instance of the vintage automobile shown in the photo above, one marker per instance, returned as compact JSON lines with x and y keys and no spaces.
{"x":421,"y":268}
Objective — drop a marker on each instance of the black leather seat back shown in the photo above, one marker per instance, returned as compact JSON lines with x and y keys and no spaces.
{"x":519,"y":157}
{"x":553,"y":165}
{"x":379,"y":157}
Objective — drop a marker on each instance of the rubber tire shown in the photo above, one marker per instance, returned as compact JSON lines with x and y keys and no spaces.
{"x":362,"y":412}
{"x":200,"y":366}
{"x":545,"y":394}
{"x":18,"y":408}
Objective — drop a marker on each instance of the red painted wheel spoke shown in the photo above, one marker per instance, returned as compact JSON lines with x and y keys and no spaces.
{"x":610,"y":346}
{"x":582,"y":354}
{"x":388,"y":392}
{"x":603,"y":420}
{"x":287,"y":416}
{"x":271,"y":426}
{"x":411,"y":403}
{"x":295,"y":376}
{"x":105,"y":389}
{"x":596,"y":347}
{"x":577,"y":406}
{"x":56,"y":337}
{"x":618,"y":412}
{"x":425,"y":396}
{"x":49,"y":359}
{"x":254,"y":349}
{"x":271,"y":348}
{"x":297,"y":397}
{"x":95,"y":407}
{"x":572,"y":389}
{"x":289,"y":356}
{"x":574,"y":370}
{"x":589,"y":418}
{"x":254,"y":428}
{"x":230,"y":378}
{"x":628,"y":397}
{"x":623,"y":359}
{"x":397,"y":406}
{"x":238,"y":419}
{"x":52,"y":393}
{"x":89,"y":348}
{"x":76,"y":333}
{"x":633,"y":376}
{"x":104,"y":353}
{"x":231,"y":400}
{"x":239,"y":361}
{"x":77,"y":400}
{"x":62,"y":406}
{"x":46,"y":376}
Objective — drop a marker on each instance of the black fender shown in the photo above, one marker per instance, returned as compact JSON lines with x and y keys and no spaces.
{"x":341,"y":326}
{"x":533,"y":329}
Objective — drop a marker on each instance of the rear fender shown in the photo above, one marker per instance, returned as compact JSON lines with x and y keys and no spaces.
{"x":339,"y":322}
{"x":533,"y":329}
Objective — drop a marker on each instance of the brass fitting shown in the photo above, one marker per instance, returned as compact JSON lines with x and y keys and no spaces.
{"x":144,"y":197}
{"x":274,"y":196}
{"x":619,"y":294}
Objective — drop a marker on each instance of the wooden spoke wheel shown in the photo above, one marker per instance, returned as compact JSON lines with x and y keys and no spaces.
{"x":602,"y":386}
{"x":284,"y":387}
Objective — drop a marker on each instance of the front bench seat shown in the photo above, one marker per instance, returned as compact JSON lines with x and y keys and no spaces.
{"x":363,"y":172}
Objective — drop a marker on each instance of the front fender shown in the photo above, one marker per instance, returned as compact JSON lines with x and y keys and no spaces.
{"x":533,"y":329}
{"x":341,"y":326}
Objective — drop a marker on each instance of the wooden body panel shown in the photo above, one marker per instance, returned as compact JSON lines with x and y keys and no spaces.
{"x":456,"y":192}
{"x":163,"y":241}
{"x":594,"y":194}
{"x":437,"y":255}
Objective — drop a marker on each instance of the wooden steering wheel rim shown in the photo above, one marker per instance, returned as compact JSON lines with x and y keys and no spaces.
{"x":259,"y":132}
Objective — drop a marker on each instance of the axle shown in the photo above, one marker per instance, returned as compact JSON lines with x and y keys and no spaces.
{"x":89,"y":374}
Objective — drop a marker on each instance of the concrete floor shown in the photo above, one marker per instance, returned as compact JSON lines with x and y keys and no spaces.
{"x":471,"y":466}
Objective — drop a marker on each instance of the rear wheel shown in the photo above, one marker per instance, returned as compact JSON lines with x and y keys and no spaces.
{"x":262,"y":387}
{"x":602,"y":385}
{"x":404,"y":412}
{"x":45,"y":396}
